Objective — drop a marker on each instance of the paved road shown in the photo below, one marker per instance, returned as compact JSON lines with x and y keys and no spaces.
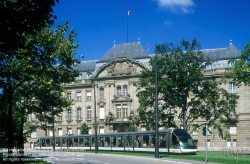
{"x":89,"y":158}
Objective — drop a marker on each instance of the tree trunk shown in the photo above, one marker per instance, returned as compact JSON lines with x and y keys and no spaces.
{"x":184,"y":110}
{"x":10,"y":128}
{"x":21,"y":140}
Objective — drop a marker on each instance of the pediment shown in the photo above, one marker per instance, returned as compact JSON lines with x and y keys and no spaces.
{"x":120,"y":67}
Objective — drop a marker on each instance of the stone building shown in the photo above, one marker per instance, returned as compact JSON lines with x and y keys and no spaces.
{"x":107,"y":86}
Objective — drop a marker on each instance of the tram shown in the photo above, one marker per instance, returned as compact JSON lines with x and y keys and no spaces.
{"x":171,"y":140}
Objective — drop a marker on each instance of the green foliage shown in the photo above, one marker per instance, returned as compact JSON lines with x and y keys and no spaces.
{"x":241,"y":69}
{"x":132,"y":128}
{"x":84,"y":129}
{"x":185,"y":93}
{"x":21,"y":18}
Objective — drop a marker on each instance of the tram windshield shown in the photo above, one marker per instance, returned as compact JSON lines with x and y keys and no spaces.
{"x":185,"y":139}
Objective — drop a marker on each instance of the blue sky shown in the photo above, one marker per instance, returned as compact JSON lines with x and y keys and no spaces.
{"x":101,"y":22}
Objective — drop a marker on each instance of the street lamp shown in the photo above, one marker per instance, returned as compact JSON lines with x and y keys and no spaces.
{"x":155,"y":110}
{"x":95,"y":124}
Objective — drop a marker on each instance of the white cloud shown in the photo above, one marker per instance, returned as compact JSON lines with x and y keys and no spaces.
{"x":177,"y":5}
{"x":167,"y":23}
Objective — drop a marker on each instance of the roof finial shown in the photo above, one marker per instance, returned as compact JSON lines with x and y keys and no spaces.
{"x":139,"y":40}
{"x":114,"y":42}
{"x":231,"y":41}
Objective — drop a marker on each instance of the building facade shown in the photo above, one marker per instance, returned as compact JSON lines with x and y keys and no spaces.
{"x":106,"y":85}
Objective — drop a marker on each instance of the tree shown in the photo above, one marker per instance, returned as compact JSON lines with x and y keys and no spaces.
{"x":184,"y":92}
{"x":20,"y":18}
{"x":241,"y":69}
{"x":84,"y":129}
{"x":40,"y":67}
{"x":132,"y":128}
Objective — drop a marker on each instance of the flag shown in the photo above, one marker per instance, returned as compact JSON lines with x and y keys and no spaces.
{"x":129,"y":11}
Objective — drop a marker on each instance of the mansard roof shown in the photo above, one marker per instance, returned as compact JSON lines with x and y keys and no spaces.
{"x":231,"y":52}
{"x":128,"y":50}
{"x":85,"y":66}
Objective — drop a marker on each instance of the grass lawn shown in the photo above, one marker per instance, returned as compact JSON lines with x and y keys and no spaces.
{"x":213,"y":157}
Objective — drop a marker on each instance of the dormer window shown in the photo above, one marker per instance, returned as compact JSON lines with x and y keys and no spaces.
{"x":88,"y":75}
{"x":231,"y":63}
{"x":208,"y":65}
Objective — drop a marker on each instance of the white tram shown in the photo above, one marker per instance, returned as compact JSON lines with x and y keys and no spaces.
{"x":171,"y":140}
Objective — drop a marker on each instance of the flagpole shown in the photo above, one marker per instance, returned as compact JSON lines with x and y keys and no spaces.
{"x":129,"y":11}
{"x":127,"y":28}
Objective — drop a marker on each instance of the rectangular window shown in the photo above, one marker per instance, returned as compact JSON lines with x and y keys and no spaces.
{"x":78,"y":96}
{"x":228,"y":143}
{"x":234,"y":142}
{"x":102,"y":116}
{"x":101,"y":130}
{"x":79,"y":113}
{"x":59,"y":117}
{"x":69,"y":116}
{"x":50,"y":133}
{"x":119,"y":91}
{"x":118,"y":111}
{"x":125,"y":111}
{"x":33,"y":134}
{"x":90,"y":130}
{"x":88,"y":114}
{"x":101,"y":93}
{"x":60,"y":132}
{"x":78,"y":131}
{"x":232,"y":87}
{"x":88,"y":96}
{"x":233,"y":129}
{"x":70,"y":131}
{"x":69,"y":95}
{"x":33,"y":117}
{"x":125,"y":91}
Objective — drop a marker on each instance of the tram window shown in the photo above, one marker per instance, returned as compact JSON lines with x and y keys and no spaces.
{"x":58,"y":142}
{"x":113,"y":141}
{"x":119,"y":141}
{"x":93,"y":141}
{"x":162,"y":142}
{"x":129,"y":140}
{"x":152,"y":140}
{"x":64,"y":142}
{"x":145,"y":139}
{"x":107,"y":141}
{"x":86,"y":142}
{"x":75,"y":142}
{"x":101,"y":142}
{"x":70,"y":142}
{"x":43,"y":143}
{"x":175,"y":141}
{"x":47,"y":142}
{"x":80,"y":142}
{"x":138,"y":141}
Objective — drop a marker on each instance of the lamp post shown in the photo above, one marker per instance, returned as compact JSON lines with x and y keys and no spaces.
{"x":95,"y":124}
{"x":155,"y":111}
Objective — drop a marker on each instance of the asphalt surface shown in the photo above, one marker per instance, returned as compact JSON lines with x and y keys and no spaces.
{"x":91,"y":158}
